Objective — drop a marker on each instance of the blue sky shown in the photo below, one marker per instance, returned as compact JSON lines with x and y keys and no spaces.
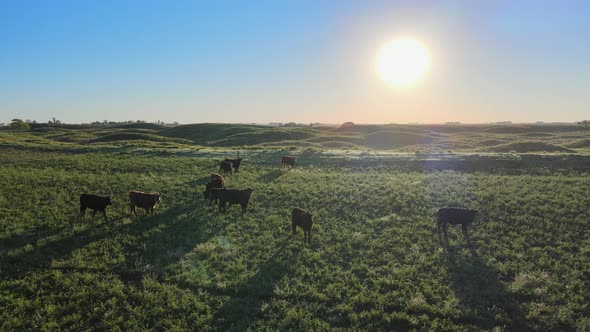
{"x":303,"y":61}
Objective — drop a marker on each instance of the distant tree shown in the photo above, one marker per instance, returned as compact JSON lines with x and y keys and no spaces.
{"x":347,"y":124}
{"x":584,"y":123}
{"x":54,"y":121}
{"x":19,"y":124}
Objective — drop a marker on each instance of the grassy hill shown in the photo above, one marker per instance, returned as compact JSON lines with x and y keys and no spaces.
{"x":400,"y":138}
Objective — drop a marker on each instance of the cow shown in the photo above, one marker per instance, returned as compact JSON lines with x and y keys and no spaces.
{"x":215,"y":176}
{"x":143,"y":200}
{"x":454,"y":216}
{"x":225,"y":167}
{"x":217,"y":183}
{"x":288,"y":161}
{"x":95,"y":203}
{"x":235,"y":163}
{"x":303,"y":219}
{"x":232,"y":196}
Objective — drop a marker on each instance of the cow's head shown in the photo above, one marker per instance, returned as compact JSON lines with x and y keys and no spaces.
{"x":309,"y":215}
{"x":108,"y":200}
{"x":473,"y":213}
{"x":249,"y":191}
{"x":157,"y":197}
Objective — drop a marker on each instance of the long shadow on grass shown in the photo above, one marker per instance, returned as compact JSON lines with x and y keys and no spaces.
{"x":270,"y":176}
{"x":41,"y":256}
{"x":488,"y":302}
{"x":28,"y":237}
{"x":243,"y":307}
{"x":184,"y":227}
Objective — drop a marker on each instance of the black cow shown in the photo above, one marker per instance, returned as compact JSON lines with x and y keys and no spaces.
{"x":289,"y":161}
{"x":303,"y":219}
{"x":216,"y":183}
{"x":225,"y":167}
{"x":232,"y":196}
{"x":235,"y":163}
{"x":455,"y":216}
{"x":95,"y":203}
{"x":147,"y":201}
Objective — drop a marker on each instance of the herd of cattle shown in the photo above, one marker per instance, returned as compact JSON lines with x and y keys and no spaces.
{"x":215,"y":191}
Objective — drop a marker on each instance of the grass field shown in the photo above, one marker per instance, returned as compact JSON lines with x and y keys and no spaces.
{"x":375,"y":261}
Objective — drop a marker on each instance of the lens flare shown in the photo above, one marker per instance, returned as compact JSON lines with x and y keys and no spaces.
{"x":403,"y":62}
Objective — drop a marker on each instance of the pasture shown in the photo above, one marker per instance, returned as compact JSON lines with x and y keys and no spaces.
{"x":375,"y":261}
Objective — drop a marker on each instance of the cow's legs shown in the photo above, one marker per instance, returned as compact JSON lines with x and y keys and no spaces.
{"x":294,"y":229}
{"x":104,"y":212}
{"x":82,"y":210}
{"x":93,"y":213}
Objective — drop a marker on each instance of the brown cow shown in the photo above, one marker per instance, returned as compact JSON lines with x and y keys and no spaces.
{"x":143,"y":200}
{"x":303,"y":219}
{"x":217,"y":183}
{"x":233,"y":196}
{"x":215,"y":176}
{"x":288,"y":161}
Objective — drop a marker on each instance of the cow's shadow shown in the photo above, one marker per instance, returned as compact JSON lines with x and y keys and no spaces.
{"x":179,"y":230}
{"x":41,"y":255}
{"x":244,"y":305}
{"x":488,"y":303}
{"x":270,"y":176}
{"x":162,"y":239}
{"x":29,"y":237}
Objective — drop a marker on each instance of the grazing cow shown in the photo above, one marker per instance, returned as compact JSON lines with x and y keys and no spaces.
{"x":303,"y":219}
{"x":95,"y":203}
{"x":215,"y":176}
{"x":143,"y":200}
{"x":235,"y":163}
{"x":225,"y":167}
{"x":455,"y":216}
{"x":288,"y":161}
{"x":217,"y":183}
{"x":232,"y":196}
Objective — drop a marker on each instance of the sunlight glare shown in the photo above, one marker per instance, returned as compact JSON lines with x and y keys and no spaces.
{"x":402,"y":62}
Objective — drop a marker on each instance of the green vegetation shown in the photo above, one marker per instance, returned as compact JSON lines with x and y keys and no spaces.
{"x":431,"y":139}
{"x":19,"y":124}
{"x":375,"y":261}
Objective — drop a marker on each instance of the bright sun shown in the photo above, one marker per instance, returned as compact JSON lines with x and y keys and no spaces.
{"x":403,"y":62}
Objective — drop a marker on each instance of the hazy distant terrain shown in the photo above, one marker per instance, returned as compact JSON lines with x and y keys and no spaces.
{"x":375,"y":261}
{"x":568,"y":139}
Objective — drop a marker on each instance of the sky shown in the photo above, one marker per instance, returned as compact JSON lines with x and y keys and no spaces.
{"x":282,"y":61}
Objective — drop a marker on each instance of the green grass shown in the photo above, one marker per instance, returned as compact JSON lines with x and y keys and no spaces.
{"x":375,"y":261}
{"x":396,"y":138}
